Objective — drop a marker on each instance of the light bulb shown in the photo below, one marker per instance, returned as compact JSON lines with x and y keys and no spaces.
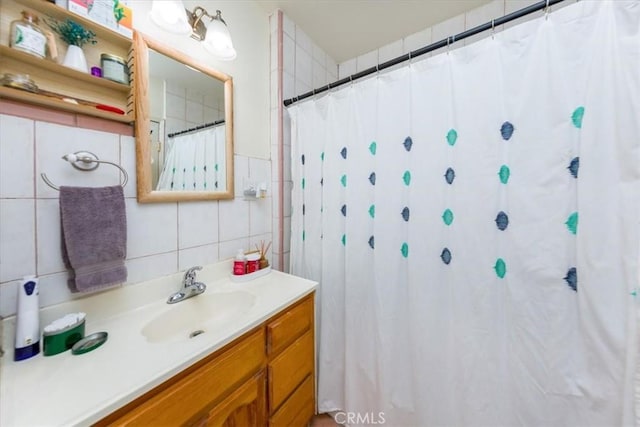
{"x":170,"y":15}
{"x":218,"y":41}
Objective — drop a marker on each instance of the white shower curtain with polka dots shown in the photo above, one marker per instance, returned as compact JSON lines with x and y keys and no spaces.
{"x":473,"y":221}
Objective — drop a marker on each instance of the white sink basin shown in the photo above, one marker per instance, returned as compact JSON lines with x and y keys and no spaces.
{"x":198,"y":314}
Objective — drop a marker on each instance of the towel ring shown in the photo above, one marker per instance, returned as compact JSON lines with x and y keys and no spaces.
{"x":85,"y":161}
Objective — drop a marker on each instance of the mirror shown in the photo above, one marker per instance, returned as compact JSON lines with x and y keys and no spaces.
{"x":184,"y":126}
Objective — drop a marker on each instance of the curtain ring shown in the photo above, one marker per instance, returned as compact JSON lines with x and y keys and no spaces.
{"x":493,"y":28}
{"x":546,"y":11}
{"x":448,"y":41}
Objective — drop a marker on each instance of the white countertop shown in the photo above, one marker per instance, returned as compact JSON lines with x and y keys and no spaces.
{"x":67,"y":389}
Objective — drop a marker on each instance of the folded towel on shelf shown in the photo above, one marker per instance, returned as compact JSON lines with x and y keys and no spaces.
{"x":94,"y":236}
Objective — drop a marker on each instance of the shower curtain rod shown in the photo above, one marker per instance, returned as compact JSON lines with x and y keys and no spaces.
{"x":426,"y":49}
{"x":204,"y":126}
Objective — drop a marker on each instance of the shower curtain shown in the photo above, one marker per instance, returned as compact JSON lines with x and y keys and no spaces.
{"x":473,"y":221}
{"x":195,"y":161}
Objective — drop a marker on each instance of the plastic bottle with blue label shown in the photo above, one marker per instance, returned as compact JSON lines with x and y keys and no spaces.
{"x":27,"y":320}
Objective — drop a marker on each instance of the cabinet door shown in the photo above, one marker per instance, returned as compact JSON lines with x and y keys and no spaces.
{"x":245,"y":407}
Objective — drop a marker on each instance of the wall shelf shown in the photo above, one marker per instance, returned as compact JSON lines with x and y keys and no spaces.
{"x":45,"y":64}
{"x":47,"y":101}
{"x":57,"y":12}
{"x":50,"y":76}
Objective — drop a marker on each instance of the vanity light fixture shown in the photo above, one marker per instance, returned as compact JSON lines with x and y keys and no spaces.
{"x":215,"y":36}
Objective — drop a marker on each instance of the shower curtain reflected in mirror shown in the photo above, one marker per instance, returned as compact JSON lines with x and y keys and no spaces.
{"x":195,"y":161}
{"x":473,"y":221}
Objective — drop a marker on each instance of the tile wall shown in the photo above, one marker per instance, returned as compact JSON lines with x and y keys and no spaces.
{"x":442,"y":30}
{"x":187,"y":108}
{"x":162,"y":238}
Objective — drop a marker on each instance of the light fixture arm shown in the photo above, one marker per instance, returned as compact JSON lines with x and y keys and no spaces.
{"x":199,"y":30}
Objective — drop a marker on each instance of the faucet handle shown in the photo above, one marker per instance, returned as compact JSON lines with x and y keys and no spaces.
{"x":190,"y":274}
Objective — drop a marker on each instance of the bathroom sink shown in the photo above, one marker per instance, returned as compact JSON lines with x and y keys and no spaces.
{"x":197,"y":315}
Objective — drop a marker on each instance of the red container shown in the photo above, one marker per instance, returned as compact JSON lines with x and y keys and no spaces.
{"x":253,"y":262}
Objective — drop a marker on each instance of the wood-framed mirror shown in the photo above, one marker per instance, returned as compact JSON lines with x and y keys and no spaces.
{"x":184,"y":126}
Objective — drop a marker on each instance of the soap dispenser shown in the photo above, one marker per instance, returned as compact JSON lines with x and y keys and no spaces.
{"x":239,"y":263}
{"x":27,"y":320}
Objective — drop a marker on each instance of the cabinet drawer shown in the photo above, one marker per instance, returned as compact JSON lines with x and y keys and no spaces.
{"x":289,"y":326}
{"x":196,"y":391}
{"x":289,"y":369}
{"x":298,"y":409}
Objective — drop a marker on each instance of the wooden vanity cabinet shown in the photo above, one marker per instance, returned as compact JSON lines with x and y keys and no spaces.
{"x":265,"y":377}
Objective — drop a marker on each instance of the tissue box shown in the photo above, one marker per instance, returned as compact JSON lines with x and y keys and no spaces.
{"x":113,"y":14}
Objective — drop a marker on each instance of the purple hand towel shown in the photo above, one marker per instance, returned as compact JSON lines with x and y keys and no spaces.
{"x":94,"y":236}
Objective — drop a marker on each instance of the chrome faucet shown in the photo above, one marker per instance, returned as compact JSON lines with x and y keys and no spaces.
{"x":190,"y":288}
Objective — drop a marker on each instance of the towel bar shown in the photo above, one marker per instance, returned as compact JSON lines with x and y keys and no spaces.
{"x":85,"y":161}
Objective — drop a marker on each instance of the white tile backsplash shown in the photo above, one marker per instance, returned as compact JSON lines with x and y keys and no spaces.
{"x":262,"y":238}
{"x":201,"y":255}
{"x":162,"y":237}
{"x":197,"y":223}
{"x":260,"y":216}
{"x":151,"y":228}
{"x":54,"y":289}
{"x":49,"y":249}
{"x":241,"y":173}
{"x":148,"y":267}
{"x":234,"y":219}
{"x":16,"y":150}
{"x":53,"y":141}
{"x":229,"y":248}
{"x":17,"y":239}
{"x":259,"y":169}
{"x":8,"y":298}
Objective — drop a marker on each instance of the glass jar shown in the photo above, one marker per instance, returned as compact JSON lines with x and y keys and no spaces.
{"x":27,"y":36}
{"x":114,"y":68}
